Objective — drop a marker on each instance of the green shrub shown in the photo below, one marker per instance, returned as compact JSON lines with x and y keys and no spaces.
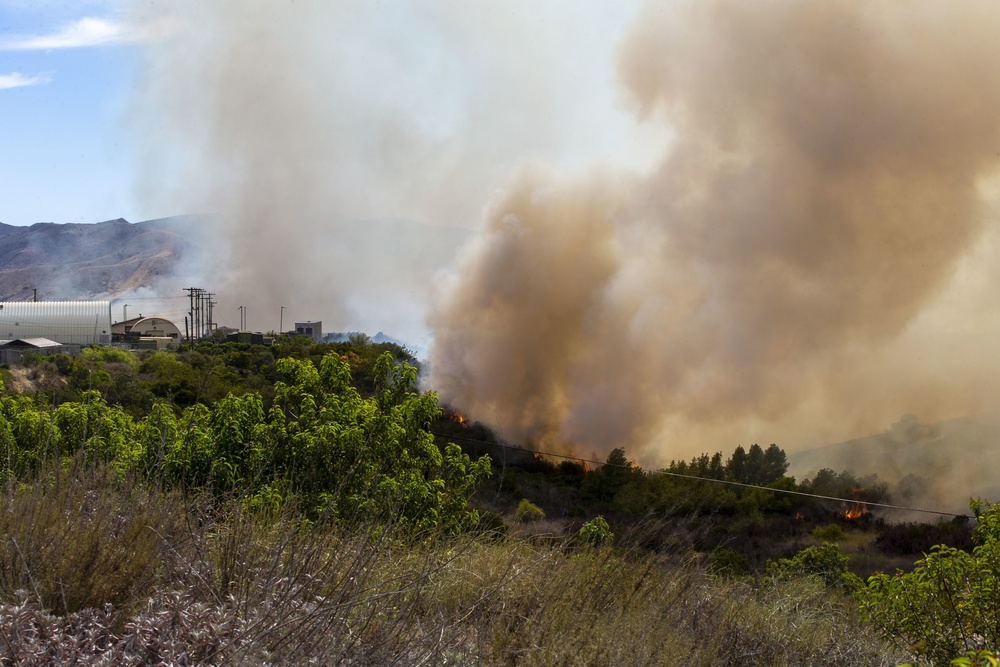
{"x":728,"y":562}
{"x":829,"y":533}
{"x":596,"y":532}
{"x":949,"y":603}
{"x":105,"y":355}
{"x":528,"y":511}
{"x":824,"y":562}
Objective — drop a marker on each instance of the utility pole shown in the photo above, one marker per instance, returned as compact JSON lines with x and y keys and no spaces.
{"x":210,"y":303}
{"x":190,"y":291}
{"x":200,"y":301}
{"x":200,"y":313}
{"x":281,"y":321}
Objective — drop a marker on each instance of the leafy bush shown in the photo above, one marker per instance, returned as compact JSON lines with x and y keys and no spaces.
{"x":596,"y":532}
{"x":102,"y":354}
{"x":829,"y":533}
{"x":343,"y":455}
{"x":824,"y":562}
{"x":528,"y":512}
{"x":949,"y":604}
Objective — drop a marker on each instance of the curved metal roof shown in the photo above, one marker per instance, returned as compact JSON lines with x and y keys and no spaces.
{"x":67,"y":322}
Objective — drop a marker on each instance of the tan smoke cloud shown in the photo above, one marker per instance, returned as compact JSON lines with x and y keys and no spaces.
{"x":765,"y":280}
{"x":808,"y":261}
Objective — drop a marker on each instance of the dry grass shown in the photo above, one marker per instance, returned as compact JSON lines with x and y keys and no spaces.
{"x":100,"y":571}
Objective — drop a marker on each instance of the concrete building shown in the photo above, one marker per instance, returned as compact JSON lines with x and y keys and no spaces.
{"x":11,"y":351}
{"x":314,"y":329}
{"x":64,"y":322}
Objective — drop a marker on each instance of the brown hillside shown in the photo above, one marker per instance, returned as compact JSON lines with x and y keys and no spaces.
{"x":82,"y":261}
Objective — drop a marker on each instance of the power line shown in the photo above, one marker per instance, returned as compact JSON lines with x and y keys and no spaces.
{"x":146,"y":298}
{"x":709,"y":479}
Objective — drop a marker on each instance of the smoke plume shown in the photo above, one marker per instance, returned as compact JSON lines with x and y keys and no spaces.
{"x":770,"y":276}
{"x":785,"y":238}
{"x":293,"y":126}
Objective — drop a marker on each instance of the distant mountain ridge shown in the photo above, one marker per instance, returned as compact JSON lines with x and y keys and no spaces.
{"x":85,"y":261}
{"x":106,"y":259}
{"x":385,"y":269}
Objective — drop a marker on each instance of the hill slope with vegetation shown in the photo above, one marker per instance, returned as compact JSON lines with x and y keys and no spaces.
{"x":237,"y":504}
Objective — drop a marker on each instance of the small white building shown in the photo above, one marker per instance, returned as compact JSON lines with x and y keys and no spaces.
{"x":152,"y":327}
{"x":11,"y":351}
{"x":65,"y":322}
{"x":313,"y":329}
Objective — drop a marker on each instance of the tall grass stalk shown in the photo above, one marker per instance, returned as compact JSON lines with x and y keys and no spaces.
{"x":98,"y":568}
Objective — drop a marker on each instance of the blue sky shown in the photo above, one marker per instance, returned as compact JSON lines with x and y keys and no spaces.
{"x":68,"y":69}
{"x":65,"y":74}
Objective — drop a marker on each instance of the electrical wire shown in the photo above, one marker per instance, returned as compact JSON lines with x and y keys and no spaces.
{"x":667,"y":473}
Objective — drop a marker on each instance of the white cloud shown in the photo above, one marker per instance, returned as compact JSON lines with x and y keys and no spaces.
{"x":89,"y":31}
{"x":18,"y":80}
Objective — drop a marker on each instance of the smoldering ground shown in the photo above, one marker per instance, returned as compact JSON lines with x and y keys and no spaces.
{"x":808,"y":259}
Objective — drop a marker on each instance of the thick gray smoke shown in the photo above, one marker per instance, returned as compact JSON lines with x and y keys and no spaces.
{"x":766,"y":279}
{"x":290,"y":123}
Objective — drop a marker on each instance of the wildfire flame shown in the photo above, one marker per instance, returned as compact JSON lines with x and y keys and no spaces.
{"x":457,"y":417}
{"x":583,"y":463}
{"x":856,"y":511}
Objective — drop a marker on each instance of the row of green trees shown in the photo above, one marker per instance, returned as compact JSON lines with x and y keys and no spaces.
{"x":623,"y":487}
{"x":338,"y":452}
{"x":757,"y":466}
{"x":196,"y":374}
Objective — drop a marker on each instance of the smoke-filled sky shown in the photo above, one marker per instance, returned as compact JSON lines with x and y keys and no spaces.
{"x":702,"y":223}
{"x":782,"y":271}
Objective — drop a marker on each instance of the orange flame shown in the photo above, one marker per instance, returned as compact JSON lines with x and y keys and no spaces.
{"x":457,"y":417}
{"x":856,"y":511}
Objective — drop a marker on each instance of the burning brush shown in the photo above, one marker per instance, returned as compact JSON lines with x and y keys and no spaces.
{"x":856,"y":511}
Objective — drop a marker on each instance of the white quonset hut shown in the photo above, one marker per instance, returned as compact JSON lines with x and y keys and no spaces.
{"x":148,"y":326}
{"x":66,"y":322}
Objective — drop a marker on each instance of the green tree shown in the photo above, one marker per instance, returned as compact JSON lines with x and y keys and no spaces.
{"x":775,"y":464}
{"x":358,"y":456}
{"x":738,"y":466}
{"x":950,"y":603}
{"x":604,"y":485}
{"x":824,"y":562}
